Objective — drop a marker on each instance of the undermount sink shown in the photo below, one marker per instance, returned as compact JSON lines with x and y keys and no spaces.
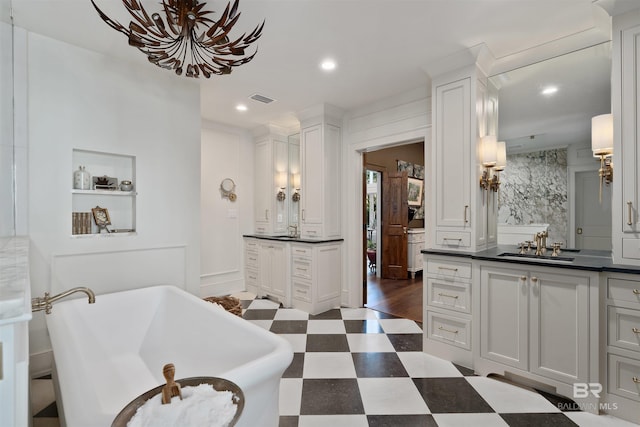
{"x":534,"y":257}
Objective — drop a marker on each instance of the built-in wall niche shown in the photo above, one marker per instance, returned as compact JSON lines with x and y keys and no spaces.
{"x":111,"y":192}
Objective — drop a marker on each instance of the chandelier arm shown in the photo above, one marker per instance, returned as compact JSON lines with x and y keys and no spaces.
{"x":219,"y":23}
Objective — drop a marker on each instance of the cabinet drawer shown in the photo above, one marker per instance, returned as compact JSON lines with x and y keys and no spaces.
{"x":449,"y":269}
{"x":251,"y":277}
{"x":301,"y":291}
{"x":311,"y":231}
{"x":631,"y":248}
{"x":624,"y":328}
{"x":415,"y":237}
{"x":251,"y":258}
{"x":301,"y":267}
{"x":624,"y":377}
{"x":449,"y":329}
{"x":449,"y":295}
{"x":623,"y":290}
{"x":261,"y":229}
{"x":251,"y":245}
{"x":301,"y":251}
{"x":454,"y":239}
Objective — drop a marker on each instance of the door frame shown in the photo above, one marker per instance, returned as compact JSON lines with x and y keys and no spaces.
{"x":352,"y":295}
{"x":571,"y":196}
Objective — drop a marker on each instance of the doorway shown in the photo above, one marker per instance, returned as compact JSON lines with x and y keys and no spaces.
{"x":402,"y":296}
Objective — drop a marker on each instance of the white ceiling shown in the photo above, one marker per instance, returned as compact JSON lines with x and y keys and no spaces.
{"x":382,"y":47}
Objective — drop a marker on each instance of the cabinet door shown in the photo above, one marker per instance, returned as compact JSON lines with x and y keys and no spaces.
{"x":453,"y":162}
{"x":312,"y":156}
{"x":279,"y":270}
{"x":504,"y":325}
{"x":264,"y":272}
{"x":559,"y":326}
{"x":629,"y":126}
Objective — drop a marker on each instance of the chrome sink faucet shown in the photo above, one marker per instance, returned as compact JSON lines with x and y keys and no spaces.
{"x":541,"y":242}
{"x":39,"y":304}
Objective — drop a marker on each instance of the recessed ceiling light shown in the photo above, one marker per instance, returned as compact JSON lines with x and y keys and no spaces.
{"x":549,"y":90}
{"x":241,"y":107}
{"x":328,"y":65}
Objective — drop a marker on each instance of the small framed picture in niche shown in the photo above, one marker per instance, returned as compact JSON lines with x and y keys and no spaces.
{"x":414,"y":192}
{"x":101,"y":218}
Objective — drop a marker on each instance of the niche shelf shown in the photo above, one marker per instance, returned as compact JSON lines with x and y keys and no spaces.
{"x":121,"y":205}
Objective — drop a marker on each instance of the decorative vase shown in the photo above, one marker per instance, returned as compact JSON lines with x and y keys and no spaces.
{"x":81,"y":179}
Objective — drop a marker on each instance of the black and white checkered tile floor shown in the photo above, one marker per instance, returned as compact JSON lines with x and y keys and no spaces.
{"x":360,"y":367}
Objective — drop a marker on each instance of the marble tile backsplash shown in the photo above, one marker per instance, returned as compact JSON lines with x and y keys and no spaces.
{"x":534,"y":191}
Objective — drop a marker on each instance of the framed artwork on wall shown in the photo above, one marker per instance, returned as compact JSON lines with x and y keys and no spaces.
{"x":414,"y":192}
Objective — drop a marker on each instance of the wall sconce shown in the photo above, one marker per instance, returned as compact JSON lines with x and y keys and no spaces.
{"x":602,"y":146}
{"x":295,"y":178}
{"x":282,"y":183}
{"x":501,"y":164}
{"x":488,"y":158}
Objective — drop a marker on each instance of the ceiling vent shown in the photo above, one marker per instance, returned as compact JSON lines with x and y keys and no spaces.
{"x":261,"y":98}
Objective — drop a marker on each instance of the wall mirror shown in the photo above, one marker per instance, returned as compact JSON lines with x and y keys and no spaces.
{"x":294,"y":180}
{"x":544,"y":116}
{"x":7,"y":207}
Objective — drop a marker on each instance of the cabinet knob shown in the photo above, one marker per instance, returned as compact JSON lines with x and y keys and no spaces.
{"x":636,"y":330}
{"x":636,"y":291}
{"x":534,"y":279}
{"x":523,"y":278}
{"x":635,"y":380}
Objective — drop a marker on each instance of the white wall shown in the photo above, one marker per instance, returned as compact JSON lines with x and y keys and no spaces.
{"x":226,"y":153}
{"x":80,"y":99}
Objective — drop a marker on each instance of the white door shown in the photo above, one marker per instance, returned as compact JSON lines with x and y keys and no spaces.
{"x":592,"y":218}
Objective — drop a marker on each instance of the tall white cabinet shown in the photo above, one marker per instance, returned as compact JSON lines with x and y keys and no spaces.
{"x":462,"y":113}
{"x":321,"y":164}
{"x":626,"y":114}
{"x":271,"y":173}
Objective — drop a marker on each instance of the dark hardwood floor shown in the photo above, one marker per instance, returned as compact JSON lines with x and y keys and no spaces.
{"x":402,"y":298}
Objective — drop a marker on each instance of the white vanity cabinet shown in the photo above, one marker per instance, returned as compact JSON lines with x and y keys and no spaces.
{"x":539,"y":323}
{"x":415,"y":244}
{"x":316,"y":276}
{"x":271,"y":173}
{"x":320,"y":156}
{"x":626,"y":154}
{"x":447,"y":301}
{"x":622,"y":356}
{"x":273,"y":273}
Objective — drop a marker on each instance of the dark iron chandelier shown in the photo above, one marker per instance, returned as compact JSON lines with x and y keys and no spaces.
{"x":179,"y":43}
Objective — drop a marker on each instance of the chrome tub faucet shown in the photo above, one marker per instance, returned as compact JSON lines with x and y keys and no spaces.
{"x":39,"y":304}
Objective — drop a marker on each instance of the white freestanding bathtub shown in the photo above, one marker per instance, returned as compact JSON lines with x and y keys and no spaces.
{"x":108,"y":353}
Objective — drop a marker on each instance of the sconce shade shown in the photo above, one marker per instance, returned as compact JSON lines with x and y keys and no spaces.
{"x":488,"y":146}
{"x":282,"y":179}
{"x":602,"y":135}
{"x":501,"y":156}
{"x":296,"y":180}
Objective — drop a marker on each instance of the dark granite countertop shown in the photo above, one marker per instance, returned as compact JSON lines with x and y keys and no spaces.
{"x":291,"y":239}
{"x":584,"y":259}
